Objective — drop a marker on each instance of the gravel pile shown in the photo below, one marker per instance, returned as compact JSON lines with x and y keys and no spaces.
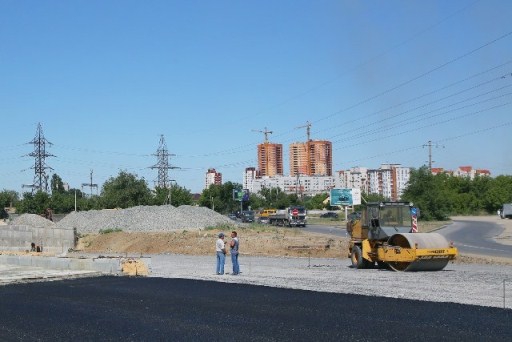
{"x":144,"y":219}
{"x":32,"y":220}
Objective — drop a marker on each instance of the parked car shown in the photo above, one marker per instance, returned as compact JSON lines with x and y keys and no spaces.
{"x":248,"y":216}
{"x":329,"y":214}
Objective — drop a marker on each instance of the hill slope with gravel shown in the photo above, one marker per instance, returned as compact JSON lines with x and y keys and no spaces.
{"x":144,"y":219}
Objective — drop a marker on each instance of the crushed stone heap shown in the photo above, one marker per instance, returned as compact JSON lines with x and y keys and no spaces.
{"x":32,"y":220}
{"x":144,"y":219}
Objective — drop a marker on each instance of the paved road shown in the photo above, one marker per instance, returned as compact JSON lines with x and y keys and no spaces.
{"x":159,"y":309}
{"x":335,"y":229}
{"x":474,"y":237}
{"x":477,"y":237}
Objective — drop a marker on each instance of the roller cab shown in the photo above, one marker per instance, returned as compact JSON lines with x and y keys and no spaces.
{"x":386,"y":235}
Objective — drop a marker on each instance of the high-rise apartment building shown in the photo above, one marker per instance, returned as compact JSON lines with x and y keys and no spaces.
{"x":270,"y":159}
{"x":212,"y":177}
{"x":355,"y":178}
{"x":250,"y":175}
{"x":389,"y":181}
{"x":312,"y":158}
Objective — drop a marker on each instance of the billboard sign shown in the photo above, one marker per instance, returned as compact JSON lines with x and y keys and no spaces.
{"x":345,"y":197}
{"x":241,"y":195}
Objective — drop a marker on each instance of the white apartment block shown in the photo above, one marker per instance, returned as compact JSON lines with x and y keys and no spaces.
{"x":390,"y":181}
{"x":302,"y":185}
{"x":212,"y":177}
{"x":250,"y":175}
{"x":355,"y":178}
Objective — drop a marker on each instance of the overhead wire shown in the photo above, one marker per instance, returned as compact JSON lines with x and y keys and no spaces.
{"x":424,"y":116}
{"x":429,"y":125}
{"x":244,"y":147}
{"x":406,"y":149}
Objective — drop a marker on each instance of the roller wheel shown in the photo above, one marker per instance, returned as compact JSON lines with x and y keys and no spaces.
{"x":399,"y":266}
{"x":382,"y":265}
{"x":356,"y":256}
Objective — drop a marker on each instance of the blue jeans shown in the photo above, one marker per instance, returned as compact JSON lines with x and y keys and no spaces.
{"x":234,"y":261}
{"x":220,"y":262}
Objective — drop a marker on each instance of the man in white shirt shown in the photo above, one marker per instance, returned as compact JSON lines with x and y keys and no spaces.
{"x":220,"y":248}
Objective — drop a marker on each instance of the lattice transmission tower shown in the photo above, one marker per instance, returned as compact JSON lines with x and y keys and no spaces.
{"x":40,"y":154}
{"x":163,"y":165}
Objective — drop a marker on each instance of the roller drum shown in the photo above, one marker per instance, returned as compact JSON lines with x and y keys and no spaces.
{"x":420,"y":241}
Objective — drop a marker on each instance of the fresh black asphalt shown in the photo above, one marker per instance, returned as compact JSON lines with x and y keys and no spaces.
{"x":160,"y":309}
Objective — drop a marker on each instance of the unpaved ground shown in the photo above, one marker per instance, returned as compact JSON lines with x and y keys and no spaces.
{"x":264,"y":241}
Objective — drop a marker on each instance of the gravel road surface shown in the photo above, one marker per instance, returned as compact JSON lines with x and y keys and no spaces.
{"x":466,"y":284}
{"x":159,"y":309}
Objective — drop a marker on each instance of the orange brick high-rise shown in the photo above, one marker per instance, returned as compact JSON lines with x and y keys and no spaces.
{"x":270,"y":159}
{"x":312,"y":158}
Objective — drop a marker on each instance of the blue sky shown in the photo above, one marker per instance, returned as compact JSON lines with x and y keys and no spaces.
{"x":377,"y":78}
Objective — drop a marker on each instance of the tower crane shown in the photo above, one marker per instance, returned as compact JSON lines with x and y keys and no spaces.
{"x":308,"y":129}
{"x":308,"y":157}
{"x":266,"y":132}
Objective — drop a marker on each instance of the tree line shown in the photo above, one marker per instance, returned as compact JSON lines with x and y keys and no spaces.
{"x":442,"y":195}
{"x":437,"y":196}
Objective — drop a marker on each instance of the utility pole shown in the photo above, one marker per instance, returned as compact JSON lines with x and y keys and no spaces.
{"x":91,"y":185}
{"x":40,"y":177}
{"x":430,"y":145}
{"x":297,"y":185}
{"x":169,"y":194}
{"x":163,"y":165}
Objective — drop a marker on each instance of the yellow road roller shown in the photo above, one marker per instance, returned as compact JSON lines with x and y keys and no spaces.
{"x":385,"y":234}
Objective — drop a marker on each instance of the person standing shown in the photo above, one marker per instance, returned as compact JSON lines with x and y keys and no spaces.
{"x":220,"y":248}
{"x":234,"y":244}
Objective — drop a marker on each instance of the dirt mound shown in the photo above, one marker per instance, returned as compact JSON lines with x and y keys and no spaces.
{"x":275,"y":242}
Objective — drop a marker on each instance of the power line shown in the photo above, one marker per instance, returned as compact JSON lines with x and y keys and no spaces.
{"x":40,"y":154}
{"x":366,"y":62}
{"x":429,"y":125}
{"x":90,"y":185}
{"x":417,"y":77}
{"x":430,"y":145}
{"x":499,"y":78}
{"x":163,"y":165}
{"x":423,"y":116}
{"x":501,"y":125}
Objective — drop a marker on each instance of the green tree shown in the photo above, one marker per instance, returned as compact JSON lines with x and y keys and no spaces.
{"x":425,"y":191}
{"x":277,"y":199}
{"x":499,"y":192}
{"x":174,"y":195}
{"x":220,"y":198}
{"x":34,"y":203}
{"x":8,"y":198}
{"x":125,"y":191}
{"x":316,"y":202}
{"x":56,"y":184}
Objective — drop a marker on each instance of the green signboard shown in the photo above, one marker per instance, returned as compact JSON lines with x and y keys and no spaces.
{"x":241,"y":195}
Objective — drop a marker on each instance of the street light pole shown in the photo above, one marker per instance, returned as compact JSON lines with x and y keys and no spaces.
{"x":170,"y":191}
